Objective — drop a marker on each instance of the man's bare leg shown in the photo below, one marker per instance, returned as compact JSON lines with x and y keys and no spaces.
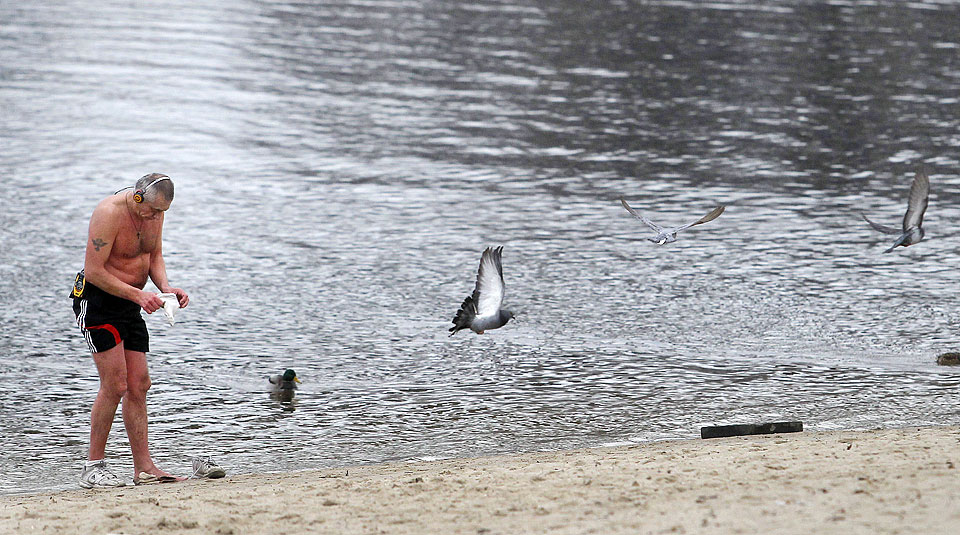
{"x":135,"y":413}
{"x":112,"y":369}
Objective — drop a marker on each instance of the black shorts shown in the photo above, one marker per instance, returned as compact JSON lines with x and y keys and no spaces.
{"x":106,"y":320}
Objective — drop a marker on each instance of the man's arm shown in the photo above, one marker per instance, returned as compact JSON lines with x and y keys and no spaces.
{"x":158,"y":272}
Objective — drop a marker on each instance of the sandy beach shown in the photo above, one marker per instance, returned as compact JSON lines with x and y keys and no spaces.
{"x":883,"y":481}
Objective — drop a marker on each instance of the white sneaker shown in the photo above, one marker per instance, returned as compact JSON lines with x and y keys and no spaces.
{"x":98,"y":476}
{"x":206,"y":467}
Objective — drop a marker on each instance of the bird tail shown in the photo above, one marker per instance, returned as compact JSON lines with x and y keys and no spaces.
{"x":468,"y":311}
{"x":900,"y":240}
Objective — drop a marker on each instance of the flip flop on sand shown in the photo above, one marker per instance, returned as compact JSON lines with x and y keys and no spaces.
{"x":150,"y":479}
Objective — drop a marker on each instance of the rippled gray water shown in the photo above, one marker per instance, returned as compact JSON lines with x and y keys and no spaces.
{"x":340,"y":166}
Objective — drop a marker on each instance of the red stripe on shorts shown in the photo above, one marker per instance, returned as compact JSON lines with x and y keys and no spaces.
{"x":109,"y":328}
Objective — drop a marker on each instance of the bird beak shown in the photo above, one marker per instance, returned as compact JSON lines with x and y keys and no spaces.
{"x":297,"y":379}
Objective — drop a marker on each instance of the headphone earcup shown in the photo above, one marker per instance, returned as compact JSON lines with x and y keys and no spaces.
{"x":138,"y":196}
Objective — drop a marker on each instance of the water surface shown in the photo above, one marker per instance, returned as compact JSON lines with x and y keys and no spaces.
{"x":341,"y":165}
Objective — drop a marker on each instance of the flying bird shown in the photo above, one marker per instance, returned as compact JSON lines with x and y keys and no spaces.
{"x":667,"y":235}
{"x":912,"y":231}
{"x":481,"y":310}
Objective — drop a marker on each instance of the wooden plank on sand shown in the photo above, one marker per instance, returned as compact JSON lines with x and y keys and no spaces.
{"x":717,"y":431}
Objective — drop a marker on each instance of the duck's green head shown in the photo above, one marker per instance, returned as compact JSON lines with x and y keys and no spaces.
{"x":290,"y":375}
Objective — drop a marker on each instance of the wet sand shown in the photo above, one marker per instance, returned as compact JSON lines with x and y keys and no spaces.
{"x":850,"y":482}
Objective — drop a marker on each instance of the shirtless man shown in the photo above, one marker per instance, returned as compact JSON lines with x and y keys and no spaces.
{"x":124,"y":247}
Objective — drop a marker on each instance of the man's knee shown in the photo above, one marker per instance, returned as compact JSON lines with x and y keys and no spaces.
{"x":138,"y":386}
{"x":113,"y":373}
{"x":113,"y":386}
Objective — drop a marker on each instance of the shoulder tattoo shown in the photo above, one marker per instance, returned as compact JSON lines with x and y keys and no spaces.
{"x":98,"y":243}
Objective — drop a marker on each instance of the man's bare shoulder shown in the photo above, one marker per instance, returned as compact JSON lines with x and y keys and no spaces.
{"x":110,"y":206}
{"x":108,"y":216}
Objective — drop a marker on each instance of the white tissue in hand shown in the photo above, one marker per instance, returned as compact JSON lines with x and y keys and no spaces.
{"x":170,"y":306}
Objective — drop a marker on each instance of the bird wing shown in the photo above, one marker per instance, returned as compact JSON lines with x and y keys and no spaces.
{"x":917,"y":204}
{"x":656,"y":228}
{"x":488,"y":293}
{"x":715,"y":213}
{"x":881,"y":228}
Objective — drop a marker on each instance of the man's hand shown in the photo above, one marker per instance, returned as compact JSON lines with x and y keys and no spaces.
{"x":149,"y":301}
{"x":181,"y":295}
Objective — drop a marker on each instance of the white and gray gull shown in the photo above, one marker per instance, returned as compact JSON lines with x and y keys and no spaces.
{"x":667,"y":235}
{"x":481,"y":310}
{"x":912,"y":231}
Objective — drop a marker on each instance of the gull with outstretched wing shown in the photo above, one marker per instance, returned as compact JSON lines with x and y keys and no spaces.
{"x":667,"y":235}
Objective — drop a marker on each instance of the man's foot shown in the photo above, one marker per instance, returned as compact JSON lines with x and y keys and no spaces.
{"x":148,"y":479}
{"x":206,"y":467}
{"x":98,"y":476}
{"x":155,"y":475}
